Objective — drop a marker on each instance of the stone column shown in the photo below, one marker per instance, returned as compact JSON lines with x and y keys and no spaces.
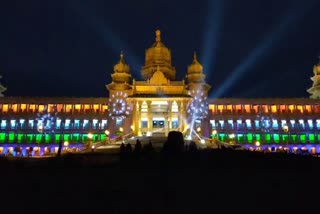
{"x":170,"y":115}
{"x":149,"y":116}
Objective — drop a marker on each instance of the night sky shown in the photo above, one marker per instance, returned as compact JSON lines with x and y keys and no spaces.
{"x":248,"y":48}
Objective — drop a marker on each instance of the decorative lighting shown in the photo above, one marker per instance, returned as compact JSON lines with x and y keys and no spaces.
{"x":46,"y":120}
{"x":107,"y":132}
{"x":202,"y":141}
{"x":66,"y":143}
{"x":118,"y":105}
{"x":90,"y":135}
{"x":214,"y":132}
{"x":121,"y":129}
{"x":257,"y":143}
{"x":198,"y":107}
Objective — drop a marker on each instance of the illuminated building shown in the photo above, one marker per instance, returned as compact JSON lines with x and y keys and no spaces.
{"x":156,"y":105}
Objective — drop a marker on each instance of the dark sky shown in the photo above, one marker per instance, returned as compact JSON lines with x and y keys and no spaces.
{"x":249,"y":48}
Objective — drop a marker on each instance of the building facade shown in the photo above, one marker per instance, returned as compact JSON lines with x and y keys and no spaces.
{"x":154,"y":106}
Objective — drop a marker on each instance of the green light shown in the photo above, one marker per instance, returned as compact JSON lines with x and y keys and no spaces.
{"x":57,"y":138}
{"x":20,"y":138}
{"x":75,"y":137}
{"x":38,"y":138}
{"x":311,"y":138}
{"x":303,"y":138}
{"x":47,"y":138}
{"x":221,"y":137}
{"x":11,"y":137}
{"x":29,"y":138}
{"x":276,"y":138}
{"x":240,"y":138}
{"x":66,"y":137}
{"x":2,"y":137}
{"x":102,"y":136}
{"x":258,"y":137}
{"x":250,"y":137}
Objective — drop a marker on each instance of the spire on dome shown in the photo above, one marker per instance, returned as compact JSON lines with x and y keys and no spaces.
{"x":158,"y":35}
{"x":195,"y":56}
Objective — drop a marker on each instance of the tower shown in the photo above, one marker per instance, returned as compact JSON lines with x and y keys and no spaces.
{"x":120,"y":88}
{"x":158,"y":57}
{"x":2,"y":89}
{"x":198,"y":90}
{"x":315,"y":89}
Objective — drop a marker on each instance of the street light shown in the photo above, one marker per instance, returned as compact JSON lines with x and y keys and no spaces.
{"x":257,"y":143}
{"x":285,"y":128}
{"x":90,"y":136}
{"x":66,"y":144}
{"x":107,"y":132}
{"x":121,"y":129}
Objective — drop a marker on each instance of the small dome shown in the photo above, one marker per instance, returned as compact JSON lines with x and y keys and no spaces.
{"x":121,"y":67}
{"x":195,"y":67}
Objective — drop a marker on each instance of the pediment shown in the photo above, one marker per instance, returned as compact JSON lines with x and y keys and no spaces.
{"x":158,"y":78}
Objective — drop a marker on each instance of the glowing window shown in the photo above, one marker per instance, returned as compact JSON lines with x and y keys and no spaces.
{"x":247,"y":108}
{"x":292,"y":122}
{"x":5,"y":108}
{"x":40,"y":108}
{"x":318,"y":124}
{"x":104,"y":124}
{"x":275,"y":124}
{"x":310,"y":124}
{"x":248,"y":123}
{"x":21,"y":122}
{"x":76,"y":124}
{"x":31,"y":124}
{"x":85,"y":124}
{"x":68,"y":108}
{"x":67,"y":124}
{"x":221,"y":123}
{"x":212,"y":108}
{"x":58,"y":123}
{"x":291,"y":107}
{"x":95,"y":123}
{"x":13,"y":123}
{"x":144,"y":107}
{"x":230,"y":123}
{"x":32,"y":107}
{"x":77,"y":107}
{"x":308,"y":108}
{"x":274,"y":109}
{"x":118,"y":122}
{"x":213,"y":124}
{"x":3,"y":124}
{"x":299,"y":108}
{"x":283,"y":123}
{"x":23,"y":107}
{"x":174,"y":107}
{"x":257,"y":124}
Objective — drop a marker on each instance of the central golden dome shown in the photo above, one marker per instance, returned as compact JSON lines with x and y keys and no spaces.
{"x":158,"y":55}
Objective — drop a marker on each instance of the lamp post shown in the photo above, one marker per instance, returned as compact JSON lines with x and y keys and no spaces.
{"x":90,"y":136}
{"x":107,"y":132}
{"x":214,"y":137}
{"x":232,"y":136}
{"x":66,"y":144}
{"x":257,"y":144}
{"x":286,"y":130}
{"x":40,"y":130}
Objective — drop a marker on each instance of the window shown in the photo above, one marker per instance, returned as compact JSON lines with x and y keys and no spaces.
{"x":67,"y":124}
{"x":3,"y":124}
{"x":275,"y":124}
{"x":248,"y":123}
{"x":76,"y":124}
{"x":31,"y":124}
{"x":95,"y":124}
{"x":13,"y":124}
{"x":85,"y":124}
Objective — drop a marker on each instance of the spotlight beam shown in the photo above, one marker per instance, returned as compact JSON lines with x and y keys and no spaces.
{"x":87,"y":13}
{"x":261,"y":51}
{"x":212,"y":35}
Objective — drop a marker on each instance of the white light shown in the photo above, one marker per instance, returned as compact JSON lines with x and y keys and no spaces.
{"x":202,"y":141}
